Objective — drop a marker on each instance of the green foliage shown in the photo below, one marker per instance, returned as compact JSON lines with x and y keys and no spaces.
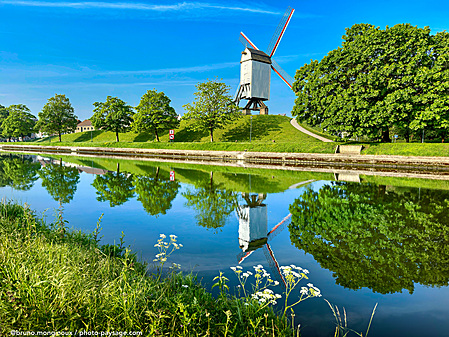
{"x":57,"y":116}
{"x":213,"y":107}
{"x":19,"y":173}
{"x":115,"y":187}
{"x":19,"y":123}
{"x":3,"y":115}
{"x":60,"y":181}
{"x":113,"y":115}
{"x":377,"y":79}
{"x":380,"y":237}
{"x":155,"y":193}
{"x":212,"y":202}
{"x":154,"y":113}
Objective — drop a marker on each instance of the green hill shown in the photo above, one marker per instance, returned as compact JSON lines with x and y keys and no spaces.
{"x":268,"y":133}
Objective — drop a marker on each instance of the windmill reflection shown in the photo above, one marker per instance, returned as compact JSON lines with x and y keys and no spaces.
{"x":253,"y":230}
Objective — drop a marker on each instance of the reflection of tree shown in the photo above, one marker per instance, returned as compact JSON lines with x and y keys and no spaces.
{"x":18,"y":172}
{"x":212,"y":203}
{"x":373,"y":236}
{"x":115,"y":187}
{"x":155,"y":194}
{"x":60,"y":181}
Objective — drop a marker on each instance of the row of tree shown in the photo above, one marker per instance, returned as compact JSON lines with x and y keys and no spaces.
{"x":379,"y":79}
{"x":211,"y":202}
{"x":212,"y":109}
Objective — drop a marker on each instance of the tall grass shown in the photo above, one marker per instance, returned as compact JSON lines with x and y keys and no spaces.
{"x":53,"y":279}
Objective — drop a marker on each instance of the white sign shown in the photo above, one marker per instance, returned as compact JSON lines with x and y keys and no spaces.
{"x":171,"y":134}
{"x":172,"y":175}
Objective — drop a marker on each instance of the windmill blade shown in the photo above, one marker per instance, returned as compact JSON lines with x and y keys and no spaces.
{"x":280,"y":30}
{"x":279,"y":227}
{"x":274,"y":266}
{"x":282,"y":74}
{"x":246,"y":41}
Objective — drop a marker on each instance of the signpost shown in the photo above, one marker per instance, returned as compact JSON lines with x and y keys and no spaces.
{"x":171,"y":134}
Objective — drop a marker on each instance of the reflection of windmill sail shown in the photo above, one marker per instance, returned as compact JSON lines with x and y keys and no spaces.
{"x":251,"y":226}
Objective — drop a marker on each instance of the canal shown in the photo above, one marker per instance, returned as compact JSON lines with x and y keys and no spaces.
{"x":365,"y":239}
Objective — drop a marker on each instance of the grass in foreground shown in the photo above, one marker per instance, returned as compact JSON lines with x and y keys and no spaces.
{"x":58,"y":280}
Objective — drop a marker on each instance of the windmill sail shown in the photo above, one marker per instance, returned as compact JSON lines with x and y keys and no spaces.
{"x":277,"y":36}
{"x":246,"y":41}
{"x":282,"y":74}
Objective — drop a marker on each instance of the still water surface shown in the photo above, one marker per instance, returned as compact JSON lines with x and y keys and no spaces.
{"x":383,"y":240}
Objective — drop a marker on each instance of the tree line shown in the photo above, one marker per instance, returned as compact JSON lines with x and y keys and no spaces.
{"x":378,"y":82}
{"x":212,"y":109}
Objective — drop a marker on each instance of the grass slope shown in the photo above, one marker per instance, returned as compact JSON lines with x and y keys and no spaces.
{"x":235,"y":137}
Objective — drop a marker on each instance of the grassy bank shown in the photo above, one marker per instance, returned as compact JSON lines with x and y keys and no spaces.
{"x":53,"y":279}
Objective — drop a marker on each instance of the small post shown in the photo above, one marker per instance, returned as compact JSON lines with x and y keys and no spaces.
{"x":91,"y":135}
{"x":422,"y":139}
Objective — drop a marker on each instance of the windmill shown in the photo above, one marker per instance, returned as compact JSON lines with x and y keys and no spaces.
{"x":253,"y":233}
{"x":255,"y":70}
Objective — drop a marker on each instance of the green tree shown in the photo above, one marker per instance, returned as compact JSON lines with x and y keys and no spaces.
{"x":213,"y":107}
{"x":57,"y":116}
{"x":212,"y":203}
{"x":4,"y":113}
{"x":381,"y":237}
{"x":154,"y":113}
{"x":19,"y":123}
{"x":115,"y":187}
{"x":113,"y":115}
{"x":60,"y":181}
{"x":19,"y":172}
{"x":376,"y":80}
{"x":155,"y":194}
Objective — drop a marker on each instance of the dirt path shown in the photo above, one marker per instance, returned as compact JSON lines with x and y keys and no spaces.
{"x":307,"y":132}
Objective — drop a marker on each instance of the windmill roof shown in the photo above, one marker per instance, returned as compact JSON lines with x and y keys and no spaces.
{"x":85,"y":122}
{"x":256,"y":55}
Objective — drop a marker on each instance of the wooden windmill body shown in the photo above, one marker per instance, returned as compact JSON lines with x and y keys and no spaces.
{"x":255,"y":70}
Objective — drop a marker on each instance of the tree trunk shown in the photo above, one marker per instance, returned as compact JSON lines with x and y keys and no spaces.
{"x":118,"y":168}
{"x":116,"y":136}
{"x":407,"y":135}
{"x":386,"y":135}
{"x":157,"y":173}
{"x":211,"y":134}
{"x":157,"y":136}
{"x":59,"y":133}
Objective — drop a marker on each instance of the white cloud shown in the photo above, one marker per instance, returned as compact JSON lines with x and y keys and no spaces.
{"x":177,"y":7}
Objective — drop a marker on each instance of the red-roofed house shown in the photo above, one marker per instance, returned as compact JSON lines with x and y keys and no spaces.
{"x":85,"y":125}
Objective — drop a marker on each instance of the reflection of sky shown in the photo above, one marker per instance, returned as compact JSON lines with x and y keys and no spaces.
{"x":208,"y":251}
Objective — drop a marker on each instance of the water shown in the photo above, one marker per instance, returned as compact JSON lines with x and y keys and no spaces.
{"x":384,"y":240}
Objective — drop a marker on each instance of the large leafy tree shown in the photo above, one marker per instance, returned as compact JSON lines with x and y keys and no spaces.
{"x":57,"y":116}
{"x":19,"y":172}
{"x":19,"y":123}
{"x":155,"y":114}
{"x":113,"y":115}
{"x":115,"y":187}
{"x":60,"y":181}
{"x":212,"y":202}
{"x":155,"y":193}
{"x":213,"y":107}
{"x":3,"y":115}
{"x":376,"y":80}
{"x":381,"y":237}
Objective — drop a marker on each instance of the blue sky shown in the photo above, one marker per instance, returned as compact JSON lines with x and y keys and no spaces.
{"x":90,"y":49}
